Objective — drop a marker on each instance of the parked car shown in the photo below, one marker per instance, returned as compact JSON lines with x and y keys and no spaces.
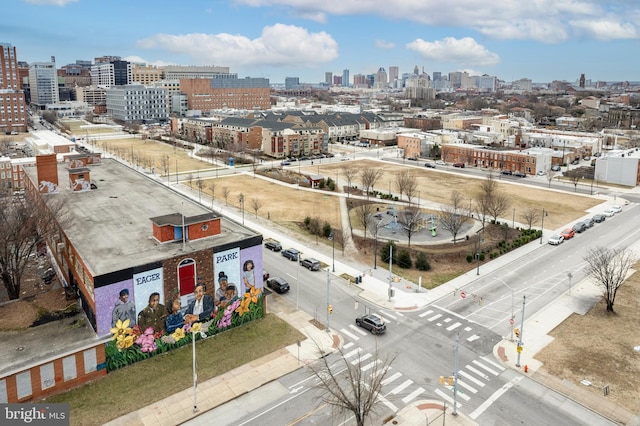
{"x":430,"y":165}
{"x":556,"y":168}
{"x":541,"y":173}
{"x":589,"y":222}
{"x":278,"y":285}
{"x":556,"y":239}
{"x":616,"y":209}
{"x":265,"y":275}
{"x":372,"y":323}
{"x":311,"y":264}
{"x":273,"y":246}
{"x":520,"y":174}
{"x":609,"y":212}
{"x":568,"y":233}
{"x":285,"y":163}
{"x":459,"y":165}
{"x":291,"y":254}
{"x":579,"y":227}
{"x":598,"y":218}
{"x":441,"y":163}
{"x":506,"y":172}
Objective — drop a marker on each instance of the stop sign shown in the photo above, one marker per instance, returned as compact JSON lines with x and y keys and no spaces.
{"x":463,"y":294}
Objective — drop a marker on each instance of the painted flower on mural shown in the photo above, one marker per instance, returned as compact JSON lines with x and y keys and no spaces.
{"x":121,"y":329}
{"x":147,"y":341}
{"x":167,"y":339}
{"x":178,"y":334}
{"x":225,"y":321}
{"x":187,"y":328}
{"x":196,"y":327}
{"x":252,"y":294}
{"x":124,"y":342}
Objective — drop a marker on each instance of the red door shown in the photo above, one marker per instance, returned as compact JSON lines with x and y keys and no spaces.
{"x":187,"y":276}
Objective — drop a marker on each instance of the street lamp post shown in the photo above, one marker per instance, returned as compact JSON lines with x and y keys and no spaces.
{"x":297,"y":280}
{"x":512,"y":315}
{"x":333,"y":252}
{"x":242,"y":206}
{"x":544,"y":212}
{"x":519,"y":349}
{"x":478,"y":236}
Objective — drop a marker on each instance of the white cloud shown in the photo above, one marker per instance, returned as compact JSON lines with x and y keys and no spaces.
{"x":464,"y":51}
{"x":51,"y":2}
{"x":278,"y":45}
{"x":604,"y":29}
{"x":383,"y":44}
{"x":547,"y":21}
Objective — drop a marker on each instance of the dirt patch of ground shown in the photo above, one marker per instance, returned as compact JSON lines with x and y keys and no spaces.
{"x":599,"y":347}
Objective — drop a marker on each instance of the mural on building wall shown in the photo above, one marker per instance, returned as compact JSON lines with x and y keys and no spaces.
{"x":109,"y":298}
{"x":237,"y":299}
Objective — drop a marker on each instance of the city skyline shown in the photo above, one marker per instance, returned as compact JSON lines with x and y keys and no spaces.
{"x":275,"y":39}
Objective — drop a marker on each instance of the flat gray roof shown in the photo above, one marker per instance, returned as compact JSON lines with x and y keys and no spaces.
{"x":111,"y":226}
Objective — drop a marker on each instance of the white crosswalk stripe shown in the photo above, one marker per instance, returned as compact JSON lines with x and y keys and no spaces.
{"x":352,"y":353}
{"x":362,"y":358}
{"x":470,"y":378}
{"x":454,"y":326}
{"x":349,"y":334}
{"x":433,"y":318}
{"x":385,"y":315}
{"x":407,"y":399}
{"x":447,"y":398}
{"x":484,"y":367}
{"x":466,"y":386}
{"x":495,"y":364}
{"x":347,"y":345}
{"x":370,"y":365}
{"x":401,"y":387}
{"x":460,"y":393}
{"x":425,"y":313}
{"x":477,"y":372}
{"x":357,"y":329}
{"x":472,"y":338}
{"x":390,"y":378}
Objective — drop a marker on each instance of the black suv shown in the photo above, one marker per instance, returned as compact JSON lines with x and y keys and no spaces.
{"x":520,"y":174}
{"x":311,"y":264}
{"x":273,"y":245}
{"x":278,"y":285}
{"x":291,"y":254}
{"x":371,"y":323}
{"x":579,"y":227}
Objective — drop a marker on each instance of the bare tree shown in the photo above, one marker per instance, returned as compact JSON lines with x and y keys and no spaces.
{"x":363,"y":211}
{"x":401,"y":182}
{"x":498,"y":205}
{"x":375,"y":225}
{"x":550,"y":175}
{"x":369,"y":178}
{"x":225,"y":193}
{"x":410,"y":219}
{"x":574,"y":178}
{"x":350,"y":174}
{"x":255,"y":205}
{"x":350,"y":389}
{"x":406,"y":183}
{"x":340,"y":236}
{"x":452,"y":216}
{"x":530,"y":216}
{"x":212,"y":187}
{"x":609,"y":267}
{"x":24,"y":224}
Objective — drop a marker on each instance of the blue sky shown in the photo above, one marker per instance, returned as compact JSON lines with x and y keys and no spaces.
{"x":542,"y":40}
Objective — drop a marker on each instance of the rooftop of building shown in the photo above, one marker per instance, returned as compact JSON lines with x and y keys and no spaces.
{"x":111,"y":226}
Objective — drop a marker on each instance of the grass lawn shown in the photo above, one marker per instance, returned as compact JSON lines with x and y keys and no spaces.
{"x":133,"y":387}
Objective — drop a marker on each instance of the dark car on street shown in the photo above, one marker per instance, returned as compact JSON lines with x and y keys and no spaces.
{"x":311,"y":264}
{"x":291,"y":254}
{"x":273,"y":246}
{"x":460,"y":165}
{"x":430,"y":165}
{"x":278,"y":285}
{"x":372,"y":323}
{"x":598,"y":218}
{"x":520,"y":174}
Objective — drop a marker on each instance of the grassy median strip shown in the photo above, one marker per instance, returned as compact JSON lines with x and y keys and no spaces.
{"x":145,"y":382}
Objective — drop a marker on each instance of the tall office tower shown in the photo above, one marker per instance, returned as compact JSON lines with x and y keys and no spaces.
{"x":328,"y":76}
{"x":582,"y":80}
{"x":337,"y":80}
{"x":455,"y":78}
{"x":381,"y":78}
{"x":13,"y":116}
{"x":437,"y":75}
{"x":394,"y":73}
{"x":114,"y":73}
{"x":43,"y":84}
{"x":291,"y":82}
{"x":345,"y":78}
{"x":416,"y":71}
{"x":360,"y":80}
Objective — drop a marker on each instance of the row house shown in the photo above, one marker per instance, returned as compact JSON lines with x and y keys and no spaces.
{"x":197,"y":129}
{"x":417,"y":144}
{"x":479,"y":156}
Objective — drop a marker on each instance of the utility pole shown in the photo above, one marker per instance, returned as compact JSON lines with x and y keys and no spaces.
{"x":455,"y":377}
{"x":328,"y":305}
{"x":519,"y":348}
{"x":390,"y":271}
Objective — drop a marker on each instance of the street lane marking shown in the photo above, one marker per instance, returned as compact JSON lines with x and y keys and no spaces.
{"x":447,"y":398}
{"x":352,"y":353}
{"x":467,"y":329}
{"x":380,"y":314}
{"x":435,"y":317}
{"x":362,"y":358}
{"x":454,"y":326}
{"x":357,"y":329}
{"x":481,"y":365}
{"x":370,"y":365}
{"x":447,"y":320}
{"x":470,"y":377}
{"x":347,"y":345}
{"x":495,"y":364}
{"x":460,"y":393}
{"x":401,"y":387}
{"x":351,"y":335}
{"x":424,"y":314}
{"x":390,"y":379}
{"x":472,"y":338}
{"x":466,"y":386}
{"x":497,"y":394}
{"x":478,"y":372}
{"x":386,"y":402}
{"x":407,"y":399}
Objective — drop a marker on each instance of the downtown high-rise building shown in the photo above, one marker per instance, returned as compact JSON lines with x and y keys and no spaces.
{"x":328,"y":78}
{"x":43,"y":83}
{"x":394,"y":74}
{"x":13,"y":115}
{"x":345,"y":78}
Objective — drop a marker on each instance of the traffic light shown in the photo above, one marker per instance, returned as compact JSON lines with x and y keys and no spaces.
{"x":516,"y":331}
{"x":450,"y":380}
{"x":442,"y":380}
{"x":330,"y":309}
